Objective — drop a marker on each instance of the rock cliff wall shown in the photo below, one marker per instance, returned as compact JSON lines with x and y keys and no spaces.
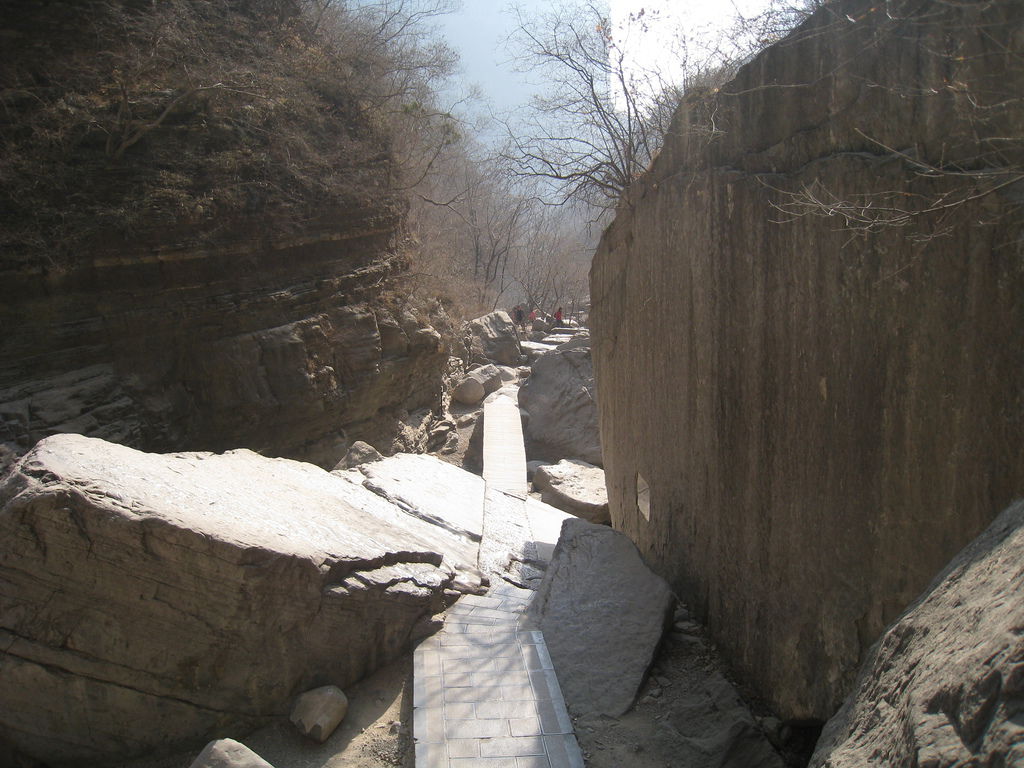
{"x":220,"y":279}
{"x":283,"y":346}
{"x":802,"y":421}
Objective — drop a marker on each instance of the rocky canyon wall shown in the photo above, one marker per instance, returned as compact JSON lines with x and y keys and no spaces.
{"x":222,"y":279}
{"x":283,"y":346}
{"x":804,"y":416}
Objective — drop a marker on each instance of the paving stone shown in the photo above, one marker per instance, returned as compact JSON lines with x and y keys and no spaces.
{"x":426,"y":662}
{"x":456,"y":666}
{"x":533,"y":761}
{"x":553,"y":718}
{"x":562,"y":752}
{"x":426,"y":691}
{"x":525,"y":726}
{"x":463,"y":748}
{"x":545,"y":685}
{"x":431,"y":756}
{"x":506,"y":709}
{"x":484,"y":691}
{"x":428,"y":725}
{"x":480,"y":601}
{"x":536,"y":657}
{"x":517,"y":677}
{"x":513,"y":746}
{"x":476,"y":729}
{"x":508,"y":665}
{"x":472,"y":695}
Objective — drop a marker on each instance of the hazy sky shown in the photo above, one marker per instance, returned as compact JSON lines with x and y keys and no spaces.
{"x":479,"y":32}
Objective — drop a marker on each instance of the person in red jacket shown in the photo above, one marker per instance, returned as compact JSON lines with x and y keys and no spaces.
{"x":558,"y":316}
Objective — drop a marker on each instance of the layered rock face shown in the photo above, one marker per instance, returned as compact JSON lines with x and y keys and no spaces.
{"x":220,"y":282}
{"x":802,"y":423}
{"x":150,"y":601}
{"x":282,"y":346}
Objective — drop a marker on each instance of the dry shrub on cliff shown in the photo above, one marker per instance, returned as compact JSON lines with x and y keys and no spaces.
{"x":120,"y":118}
{"x":964,"y":142}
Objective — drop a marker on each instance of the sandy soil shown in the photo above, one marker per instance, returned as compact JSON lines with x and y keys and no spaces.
{"x":376,"y":732}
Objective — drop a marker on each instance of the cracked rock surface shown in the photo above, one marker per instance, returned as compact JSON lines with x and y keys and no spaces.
{"x":148,"y":601}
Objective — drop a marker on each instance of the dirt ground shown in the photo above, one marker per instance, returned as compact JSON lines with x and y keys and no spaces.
{"x":663,"y":731}
{"x":376,"y":732}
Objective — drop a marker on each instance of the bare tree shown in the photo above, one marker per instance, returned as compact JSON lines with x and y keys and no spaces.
{"x":602,"y":119}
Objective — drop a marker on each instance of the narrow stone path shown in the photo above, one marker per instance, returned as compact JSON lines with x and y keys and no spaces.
{"x":484,"y":689}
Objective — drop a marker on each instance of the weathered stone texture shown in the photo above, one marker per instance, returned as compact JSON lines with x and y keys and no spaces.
{"x":823,"y":417}
{"x":559,"y":398}
{"x":151,"y":601}
{"x":492,"y":338}
{"x":603,"y":613}
{"x":944,"y":685}
{"x":273,"y":343}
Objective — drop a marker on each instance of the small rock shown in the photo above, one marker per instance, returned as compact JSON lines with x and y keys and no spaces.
{"x":664,"y":682}
{"x":467,"y":420}
{"x":359,"y":453}
{"x":228,"y":753}
{"x":655,"y":693}
{"x":318,"y":712}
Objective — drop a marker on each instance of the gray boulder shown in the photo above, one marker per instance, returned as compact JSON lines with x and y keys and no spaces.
{"x":469,"y":391}
{"x":603,"y":613}
{"x":228,"y":753}
{"x":560,"y":398}
{"x":493,"y":338}
{"x":149,"y":600}
{"x":478,"y":383}
{"x":944,"y":685}
{"x":575,"y":487}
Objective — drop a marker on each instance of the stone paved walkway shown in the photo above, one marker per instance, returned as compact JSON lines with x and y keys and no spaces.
{"x":484,"y":690}
{"x":503,"y":455}
{"x":485,"y":693}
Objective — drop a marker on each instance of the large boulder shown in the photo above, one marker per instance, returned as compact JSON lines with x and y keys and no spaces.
{"x":561,"y":399}
{"x":433,"y":490}
{"x":493,"y":338}
{"x":478,"y":383}
{"x":603,"y":613}
{"x":228,"y":753}
{"x":575,"y":487}
{"x":148,"y":602}
{"x":944,"y":686}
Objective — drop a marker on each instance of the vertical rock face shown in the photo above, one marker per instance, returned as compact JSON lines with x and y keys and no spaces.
{"x":826,"y":416}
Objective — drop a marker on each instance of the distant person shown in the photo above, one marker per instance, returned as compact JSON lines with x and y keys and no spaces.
{"x":533,"y":315}
{"x":558,"y":316}
{"x":518,"y":318}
